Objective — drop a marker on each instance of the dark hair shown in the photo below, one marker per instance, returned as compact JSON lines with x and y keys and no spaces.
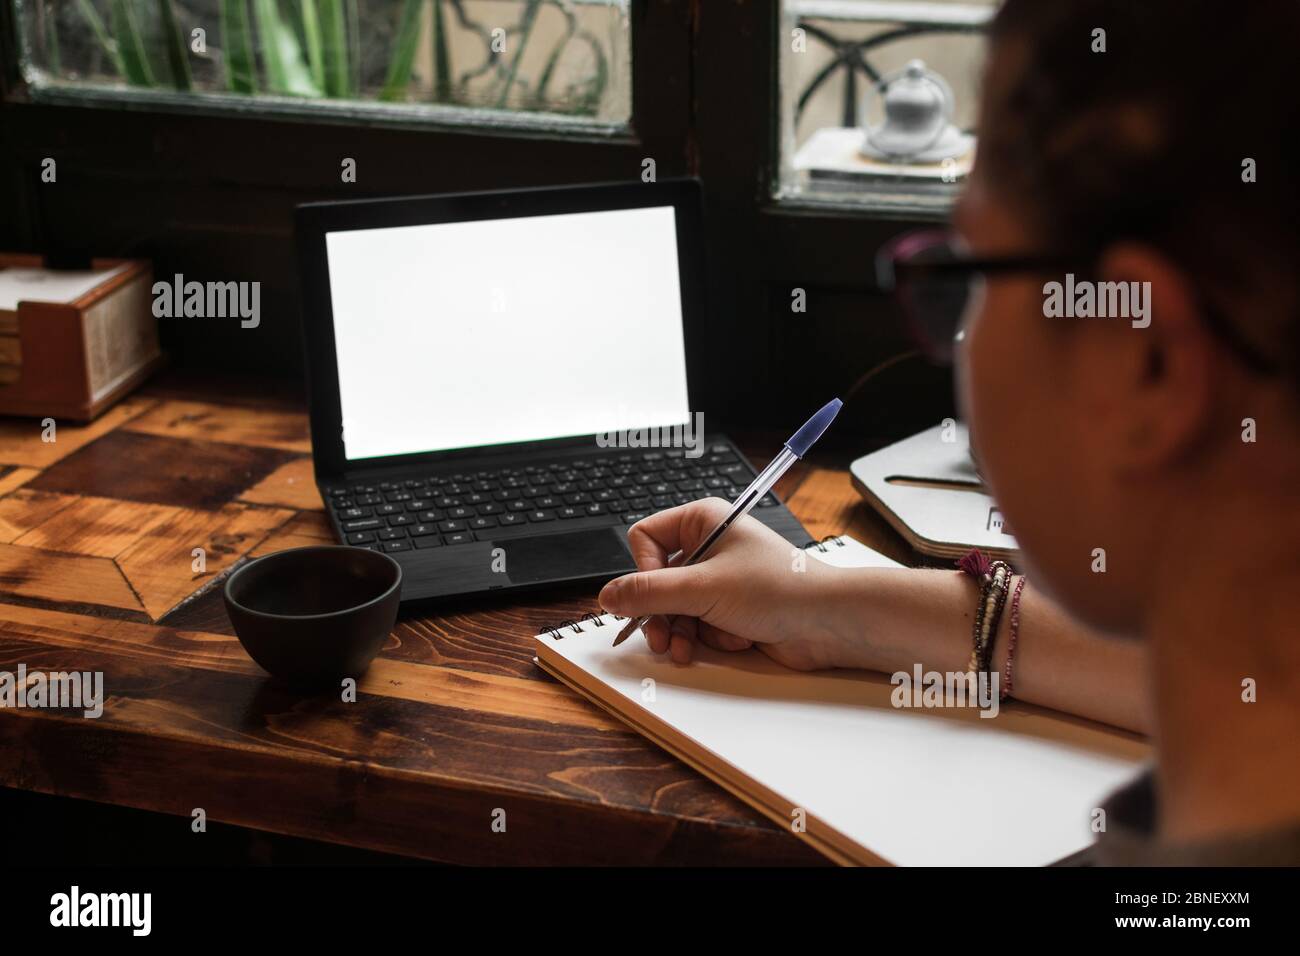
{"x":1148,"y":140}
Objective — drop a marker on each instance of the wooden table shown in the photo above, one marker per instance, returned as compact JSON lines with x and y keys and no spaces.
{"x":98,"y":531}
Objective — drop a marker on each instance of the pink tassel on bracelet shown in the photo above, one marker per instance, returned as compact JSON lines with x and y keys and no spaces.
{"x":975,"y":563}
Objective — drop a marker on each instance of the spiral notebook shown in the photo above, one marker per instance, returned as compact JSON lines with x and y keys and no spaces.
{"x":827,"y":754}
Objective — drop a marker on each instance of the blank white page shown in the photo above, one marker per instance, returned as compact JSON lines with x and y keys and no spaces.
{"x":914,"y":787}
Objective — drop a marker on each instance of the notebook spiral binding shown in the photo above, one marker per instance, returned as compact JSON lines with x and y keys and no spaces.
{"x":556,"y":630}
{"x":834,"y":539}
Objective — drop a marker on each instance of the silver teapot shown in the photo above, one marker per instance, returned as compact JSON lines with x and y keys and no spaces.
{"x":918,"y":124}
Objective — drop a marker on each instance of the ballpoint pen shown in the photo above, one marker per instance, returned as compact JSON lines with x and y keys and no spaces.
{"x":793,"y":450}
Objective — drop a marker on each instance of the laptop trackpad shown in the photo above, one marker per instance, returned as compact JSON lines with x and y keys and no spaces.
{"x":556,"y":557}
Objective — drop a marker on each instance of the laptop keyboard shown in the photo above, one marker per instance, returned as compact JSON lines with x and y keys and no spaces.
{"x":443,"y":510}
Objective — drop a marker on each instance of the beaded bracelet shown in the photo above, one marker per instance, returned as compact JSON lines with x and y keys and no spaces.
{"x":999,"y":588}
{"x":994,"y":579}
{"x":1013,"y":632}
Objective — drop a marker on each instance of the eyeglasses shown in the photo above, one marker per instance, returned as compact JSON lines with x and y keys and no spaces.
{"x":935,"y":280}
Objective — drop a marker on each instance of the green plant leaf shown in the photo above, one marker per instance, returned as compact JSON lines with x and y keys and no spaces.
{"x":130,"y":43}
{"x":527,"y":21}
{"x":177,"y":53}
{"x":399,"y":67}
{"x":334,"y":48}
{"x":237,"y":46}
{"x":441,"y":59}
{"x":281,"y":55}
{"x":354,"y":46}
{"x":312,"y":34}
{"x":88,"y":13}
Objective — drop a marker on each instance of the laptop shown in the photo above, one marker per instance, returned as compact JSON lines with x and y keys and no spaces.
{"x":501,"y":383}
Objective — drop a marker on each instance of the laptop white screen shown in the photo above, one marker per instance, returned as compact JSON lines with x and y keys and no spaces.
{"x":458,"y":335}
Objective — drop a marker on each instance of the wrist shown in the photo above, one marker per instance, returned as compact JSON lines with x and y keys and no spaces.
{"x":890,"y":619}
{"x":855,"y":619}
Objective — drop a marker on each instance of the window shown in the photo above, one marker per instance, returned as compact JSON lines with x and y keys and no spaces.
{"x":478,"y":60}
{"x":878,"y":100}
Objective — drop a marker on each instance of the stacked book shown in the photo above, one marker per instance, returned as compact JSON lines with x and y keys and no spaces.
{"x":11,"y":352}
{"x":72,"y":342}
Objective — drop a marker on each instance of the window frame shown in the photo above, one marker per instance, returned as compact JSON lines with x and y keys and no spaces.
{"x":429,"y":116}
{"x":660,"y":108}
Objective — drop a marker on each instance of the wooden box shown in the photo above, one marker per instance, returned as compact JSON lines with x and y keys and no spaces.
{"x":74,"y":359}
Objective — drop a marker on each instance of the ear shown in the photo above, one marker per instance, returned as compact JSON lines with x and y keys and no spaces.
{"x":1163,"y":364}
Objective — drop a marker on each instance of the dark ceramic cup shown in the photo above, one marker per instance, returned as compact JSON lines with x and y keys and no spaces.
{"x":313,"y":616}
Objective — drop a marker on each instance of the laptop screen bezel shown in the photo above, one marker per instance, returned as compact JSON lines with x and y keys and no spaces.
{"x":314,"y":221}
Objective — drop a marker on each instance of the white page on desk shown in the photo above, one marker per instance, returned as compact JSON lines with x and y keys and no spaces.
{"x":916,"y":787}
{"x":23,"y":284}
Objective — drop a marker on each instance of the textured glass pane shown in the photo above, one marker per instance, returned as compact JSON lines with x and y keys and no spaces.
{"x":565,"y":57}
{"x":839,"y":61}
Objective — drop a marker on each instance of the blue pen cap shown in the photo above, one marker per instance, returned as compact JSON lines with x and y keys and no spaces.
{"x":813,"y":429}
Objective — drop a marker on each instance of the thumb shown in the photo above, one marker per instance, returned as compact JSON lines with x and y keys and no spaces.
{"x":664,"y":591}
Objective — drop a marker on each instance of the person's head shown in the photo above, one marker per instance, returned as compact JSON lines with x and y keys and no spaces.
{"x":1135,"y":141}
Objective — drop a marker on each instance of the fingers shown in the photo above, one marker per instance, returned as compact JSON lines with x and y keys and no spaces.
{"x":682,"y":639}
{"x":651,"y":540}
{"x":656,"y":634}
{"x":676,"y":635}
{"x":721,"y":640}
{"x":674,"y":597}
{"x":665,"y":591}
{"x":657,"y":588}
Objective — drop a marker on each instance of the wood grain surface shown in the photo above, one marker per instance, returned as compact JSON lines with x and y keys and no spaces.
{"x":452,"y":723}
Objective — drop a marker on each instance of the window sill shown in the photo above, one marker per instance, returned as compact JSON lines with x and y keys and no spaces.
{"x":430,"y":117}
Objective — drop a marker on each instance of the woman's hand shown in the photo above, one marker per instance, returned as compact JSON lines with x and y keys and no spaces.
{"x":754,"y":588}
{"x":750,"y":591}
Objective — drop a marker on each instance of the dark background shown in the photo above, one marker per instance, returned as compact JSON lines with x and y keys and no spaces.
{"x":212,"y":197}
